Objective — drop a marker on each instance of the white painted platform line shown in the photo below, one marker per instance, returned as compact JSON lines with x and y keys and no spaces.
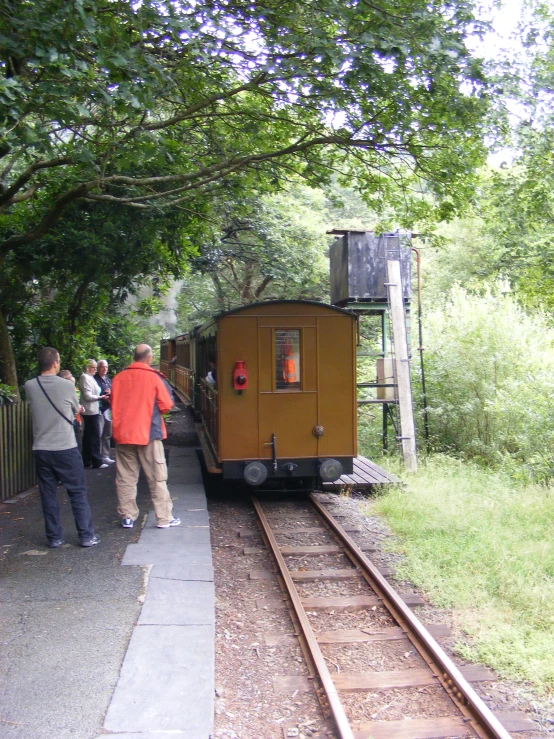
{"x":166,"y":685}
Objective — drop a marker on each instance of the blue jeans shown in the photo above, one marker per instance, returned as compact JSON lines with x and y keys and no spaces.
{"x":67,"y":467}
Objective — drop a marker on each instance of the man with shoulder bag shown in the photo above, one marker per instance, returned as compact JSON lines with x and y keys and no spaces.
{"x":54,"y":405}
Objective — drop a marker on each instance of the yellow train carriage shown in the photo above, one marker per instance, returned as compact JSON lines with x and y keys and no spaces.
{"x":176,"y":364}
{"x":276,"y":390}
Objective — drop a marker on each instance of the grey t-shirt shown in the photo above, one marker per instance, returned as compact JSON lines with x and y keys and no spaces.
{"x":50,"y":432}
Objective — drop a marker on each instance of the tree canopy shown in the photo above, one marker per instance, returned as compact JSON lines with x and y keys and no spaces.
{"x":164,"y":106}
{"x":139,"y":104}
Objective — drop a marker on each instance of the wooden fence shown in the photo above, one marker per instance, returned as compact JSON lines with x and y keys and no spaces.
{"x":17,"y":466}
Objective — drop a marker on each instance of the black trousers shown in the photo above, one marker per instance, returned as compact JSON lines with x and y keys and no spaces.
{"x":66,"y":466}
{"x":92,"y":434}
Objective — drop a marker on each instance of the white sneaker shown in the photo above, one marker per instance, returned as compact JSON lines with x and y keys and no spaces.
{"x":108,"y":460}
{"x":102,"y":466}
{"x":173,"y":522}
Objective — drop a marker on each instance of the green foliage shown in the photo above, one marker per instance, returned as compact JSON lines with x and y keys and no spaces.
{"x":483,"y":546}
{"x":516,"y":201}
{"x":490,"y":382}
{"x":71,"y":288}
{"x":143,"y":104}
{"x":7,"y":393}
{"x":168,"y":111}
{"x":267,"y":247}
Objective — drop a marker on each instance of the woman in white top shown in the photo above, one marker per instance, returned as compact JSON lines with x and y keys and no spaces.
{"x":90,"y":395}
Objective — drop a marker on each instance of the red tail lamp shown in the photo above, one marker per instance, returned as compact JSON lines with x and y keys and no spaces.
{"x":240,"y":376}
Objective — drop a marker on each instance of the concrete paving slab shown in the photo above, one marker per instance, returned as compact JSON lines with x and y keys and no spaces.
{"x":203,"y":573}
{"x":166,"y":553}
{"x":187,"y":537}
{"x":66,"y":620}
{"x":189,"y":461}
{"x":192,"y":517}
{"x":183,"y":451}
{"x":184,"y":476}
{"x":166,"y":683}
{"x":192,"y":734}
{"x":178,"y":603}
{"x":188,"y":512}
{"x":179,"y":489}
{"x":188,"y":503}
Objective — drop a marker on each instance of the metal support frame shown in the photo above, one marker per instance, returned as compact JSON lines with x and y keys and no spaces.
{"x":382,"y":309}
{"x":402,"y":366}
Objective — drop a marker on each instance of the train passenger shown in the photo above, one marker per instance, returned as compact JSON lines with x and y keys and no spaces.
{"x":211,"y":377}
{"x":91,"y":394}
{"x":105,"y":385}
{"x":54,"y":404}
{"x":140,"y":394}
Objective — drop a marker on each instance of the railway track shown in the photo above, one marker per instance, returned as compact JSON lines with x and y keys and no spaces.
{"x":362,"y":590}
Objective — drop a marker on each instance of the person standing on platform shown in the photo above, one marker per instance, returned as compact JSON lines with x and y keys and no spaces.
{"x":105,"y":385}
{"x":90,"y":397}
{"x":139,"y":396}
{"x":66,"y":375}
{"x":54,"y":405}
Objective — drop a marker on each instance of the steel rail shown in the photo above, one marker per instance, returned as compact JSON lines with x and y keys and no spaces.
{"x":335,"y":705}
{"x":483,"y":721}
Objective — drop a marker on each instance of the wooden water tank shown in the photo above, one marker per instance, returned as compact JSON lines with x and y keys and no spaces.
{"x":359,"y":266}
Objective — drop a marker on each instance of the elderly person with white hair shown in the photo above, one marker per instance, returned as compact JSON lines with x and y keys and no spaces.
{"x":105,"y":384}
{"x":91,"y":394}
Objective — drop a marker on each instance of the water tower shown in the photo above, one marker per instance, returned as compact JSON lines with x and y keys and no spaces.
{"x":371,"y":274}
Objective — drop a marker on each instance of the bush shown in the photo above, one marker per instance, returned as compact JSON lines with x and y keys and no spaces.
{"x":490,"y":383}
{"x":7,"y":394}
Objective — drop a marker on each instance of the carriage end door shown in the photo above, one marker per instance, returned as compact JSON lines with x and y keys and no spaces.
{"x":288,"y":404}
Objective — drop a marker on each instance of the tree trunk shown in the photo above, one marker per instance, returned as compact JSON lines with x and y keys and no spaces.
{"x":8,"y":371}
{"x":219,"y":291}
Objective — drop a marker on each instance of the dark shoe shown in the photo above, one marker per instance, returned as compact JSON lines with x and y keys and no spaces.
{"x":91,"y":542}
{"x":173,"y":522}
{"x":87,"y":466}
{"x":127,"y":523}
{"x":55,"y":543}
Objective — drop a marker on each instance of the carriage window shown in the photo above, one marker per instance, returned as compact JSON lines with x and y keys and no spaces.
{"x":287,"y":359}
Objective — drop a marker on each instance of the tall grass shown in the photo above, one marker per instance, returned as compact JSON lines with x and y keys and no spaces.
{"x":479,"y":544}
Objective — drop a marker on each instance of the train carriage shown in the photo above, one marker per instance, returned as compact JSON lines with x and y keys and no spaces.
{"x":176,"y":363}
{"x":275,"y":388}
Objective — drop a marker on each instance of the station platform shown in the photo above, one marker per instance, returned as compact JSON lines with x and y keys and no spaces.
{"x":166,"y":686}
{"x":116,"y":640}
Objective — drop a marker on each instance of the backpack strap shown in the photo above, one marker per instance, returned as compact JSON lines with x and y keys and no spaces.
{"x":65,"y":418}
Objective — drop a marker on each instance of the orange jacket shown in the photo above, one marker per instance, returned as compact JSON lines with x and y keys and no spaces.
{"x":139,"y":397}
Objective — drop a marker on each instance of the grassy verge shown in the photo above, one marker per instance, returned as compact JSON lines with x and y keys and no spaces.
{"x":479,"y":544}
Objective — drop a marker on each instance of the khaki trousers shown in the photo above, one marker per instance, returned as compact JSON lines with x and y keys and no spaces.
{"x":129,"y":459}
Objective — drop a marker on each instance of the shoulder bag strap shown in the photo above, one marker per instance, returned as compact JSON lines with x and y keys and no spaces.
{"x":65,"y":418}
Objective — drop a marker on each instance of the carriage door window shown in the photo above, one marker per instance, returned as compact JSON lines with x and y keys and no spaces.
{"x":287,"y":359}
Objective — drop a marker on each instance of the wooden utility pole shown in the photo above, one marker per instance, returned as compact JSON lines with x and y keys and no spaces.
{"x":402,"y":365}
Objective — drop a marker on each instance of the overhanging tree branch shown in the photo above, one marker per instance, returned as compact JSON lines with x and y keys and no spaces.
{"x":23,"y":179}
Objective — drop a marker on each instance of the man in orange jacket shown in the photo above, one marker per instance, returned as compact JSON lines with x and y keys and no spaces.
{"x":139,"y":396}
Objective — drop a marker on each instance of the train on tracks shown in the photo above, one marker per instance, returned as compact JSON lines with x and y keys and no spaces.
{"x":273,"y":386}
